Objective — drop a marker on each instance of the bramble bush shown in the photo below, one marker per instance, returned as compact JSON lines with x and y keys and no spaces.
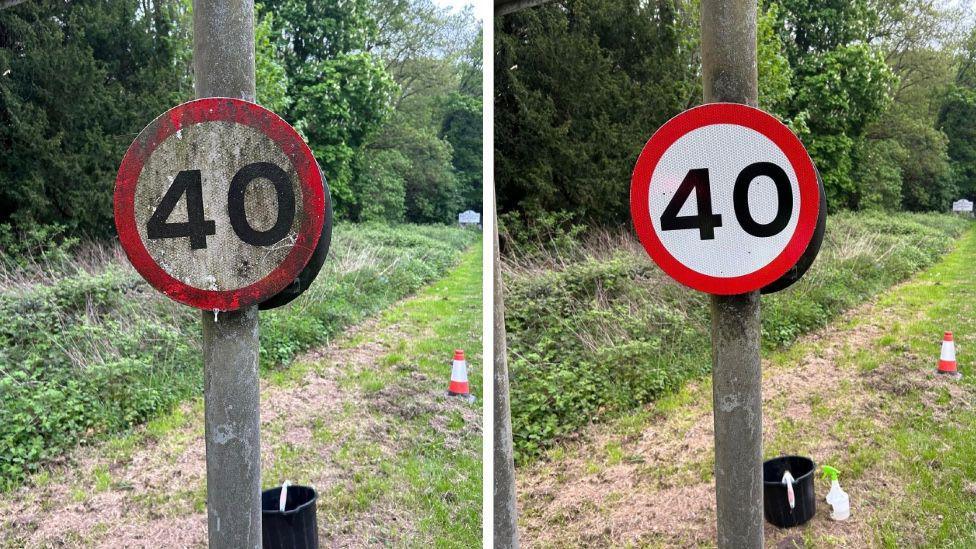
{"x":595,"y":329}
{"x":87,"y":348}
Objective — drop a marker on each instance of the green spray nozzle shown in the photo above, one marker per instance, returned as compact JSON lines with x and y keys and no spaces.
{"x":830,"y":472}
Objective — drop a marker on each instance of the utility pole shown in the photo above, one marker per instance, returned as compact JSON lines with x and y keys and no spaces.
{"x":505,"y":501}
{"x":729,"y":74}
{"x":504,"y":495}
{"x":223,"y":66}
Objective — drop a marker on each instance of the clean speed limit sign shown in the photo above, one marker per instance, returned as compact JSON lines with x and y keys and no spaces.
{"x":725,"y":198}
{"x":219,"y":204}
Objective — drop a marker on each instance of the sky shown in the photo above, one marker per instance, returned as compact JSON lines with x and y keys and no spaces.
{"x":454,"y":4}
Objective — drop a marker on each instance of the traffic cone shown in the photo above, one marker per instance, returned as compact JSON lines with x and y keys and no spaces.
{"x":947,"y":361}
{"x":459,"y":378}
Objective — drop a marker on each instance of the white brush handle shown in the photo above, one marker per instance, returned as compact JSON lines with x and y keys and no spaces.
{"x":284,"y":496}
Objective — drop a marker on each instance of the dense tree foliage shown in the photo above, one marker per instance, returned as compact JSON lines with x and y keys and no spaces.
{"x":957,"y":118}
{"x":577,"y":86}
{"x":77,"y":80}
{"x":882,"y":92}
{"x":387,"y":110}
{"x":429,"y":54}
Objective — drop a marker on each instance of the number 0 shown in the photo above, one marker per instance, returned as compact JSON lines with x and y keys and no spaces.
{"x":286,"y":203}
{"x":784,"y":199}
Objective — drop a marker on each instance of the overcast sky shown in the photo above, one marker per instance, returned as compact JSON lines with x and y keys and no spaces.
{"x":456,"y":4}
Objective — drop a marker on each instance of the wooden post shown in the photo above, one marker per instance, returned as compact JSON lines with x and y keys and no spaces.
{"x":729,"y":74}
{"x":223,"y":66}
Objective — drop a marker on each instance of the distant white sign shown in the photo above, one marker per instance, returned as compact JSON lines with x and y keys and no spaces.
{"x":469,"y":217}
{"x":962,"y":205}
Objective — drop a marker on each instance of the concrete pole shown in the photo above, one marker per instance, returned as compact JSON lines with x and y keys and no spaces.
{"x":505,"y":501}
{"x":223,"y":66}
{"x":729,"y":74}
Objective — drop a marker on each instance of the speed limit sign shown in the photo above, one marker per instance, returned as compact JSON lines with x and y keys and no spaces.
{"x":725,"y":198}
{"x":219,"y":204}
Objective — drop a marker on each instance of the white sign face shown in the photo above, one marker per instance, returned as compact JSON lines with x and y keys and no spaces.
{"x":962,"y":205}
{"x":770,"y":206}
{"x":469,"y":217}
{"x":724,"y":198}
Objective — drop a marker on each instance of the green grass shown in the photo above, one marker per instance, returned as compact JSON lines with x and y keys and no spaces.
{"x":901,"y":435}
{"x":437,"y":481}
{"x":88,"y":349}
{"x":932,"y":443}
{"x":918,"y":438}
{"x":595,"y":330}
{"x":434,"y":476}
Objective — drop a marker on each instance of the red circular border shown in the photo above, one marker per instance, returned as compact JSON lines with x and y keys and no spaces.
{"x":782,"y":137}
{"x":220,"y":109}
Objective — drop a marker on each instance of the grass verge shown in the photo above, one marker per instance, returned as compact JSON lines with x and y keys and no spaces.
{"x":87,"y":348}
{"x":861,"y":395}
{"x":365,"y":420}
{"x":596,"y":330}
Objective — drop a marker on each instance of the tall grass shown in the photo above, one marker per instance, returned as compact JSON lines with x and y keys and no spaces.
{"x":88,"y":348}
{"x":596,"y":329}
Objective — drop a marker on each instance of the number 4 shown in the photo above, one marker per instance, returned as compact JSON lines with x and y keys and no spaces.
{"x":196,"y":227}
{"x":705,"y":221}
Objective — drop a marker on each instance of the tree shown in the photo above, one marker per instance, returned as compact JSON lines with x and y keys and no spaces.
{"x":957,"y":118}
{"x":918,"y":38}
{"x":436,"y":127}
{"x":339,"y":93}
{"x":462,"y":126}
{"x":79,"y":79}
{"x":578,"y":86}
{"x":271,"y":78}
{"x":775,"y":72}
{"x":820,"y":26}
{"x":379,"y":187}
{"x":843,"y":86}
{"x":429,"y":182}
{"x":462,"y":129}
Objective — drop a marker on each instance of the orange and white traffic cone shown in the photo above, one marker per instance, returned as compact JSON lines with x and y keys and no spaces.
{"x":459,"y":378}
{"x":947,"y":361}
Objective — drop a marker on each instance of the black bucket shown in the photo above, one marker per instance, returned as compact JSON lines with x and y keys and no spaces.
{"x":776,"y":504}
{"x":295,"y":528}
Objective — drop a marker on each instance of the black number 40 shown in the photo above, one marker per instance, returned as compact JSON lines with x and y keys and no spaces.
{"x":706,"y":221}
{"x":197,"y":228}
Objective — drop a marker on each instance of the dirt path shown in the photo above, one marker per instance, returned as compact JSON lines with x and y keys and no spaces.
{"x":837,"y":395}
{"x":343,"y":419}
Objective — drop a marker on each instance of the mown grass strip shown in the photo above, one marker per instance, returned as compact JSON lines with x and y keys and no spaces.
{"x":438,"y":474}
{"x":930,"y":436}
{"x":432,"y":479}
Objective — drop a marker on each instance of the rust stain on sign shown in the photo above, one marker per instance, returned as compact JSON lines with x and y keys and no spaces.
{"x":219,"y":203}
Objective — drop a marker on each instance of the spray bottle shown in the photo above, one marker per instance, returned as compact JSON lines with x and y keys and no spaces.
{"x":837,"y":498}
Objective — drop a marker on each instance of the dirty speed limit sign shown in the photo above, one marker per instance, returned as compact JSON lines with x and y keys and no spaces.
{"x":725,"y":198}
{"x":219,"y":204}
